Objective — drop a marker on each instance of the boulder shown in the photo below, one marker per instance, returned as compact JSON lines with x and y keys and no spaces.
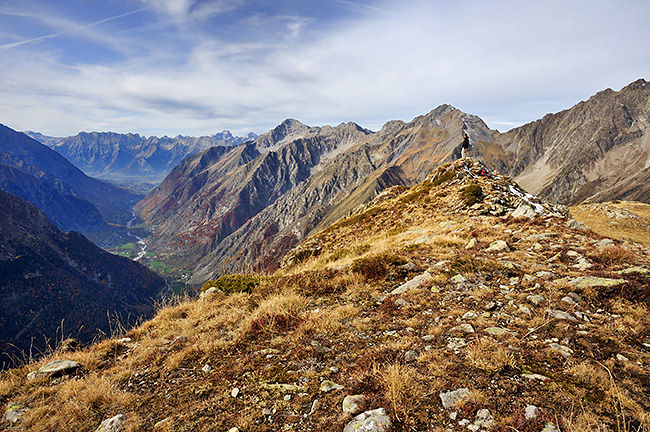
{"x":416,"y":282}
{"x":15,"y":412}
{"x":59,"y":368}
{"x":370,"y":421}
{"x":498,"y":246}
{"x":451,"y":399}
{"x":113,"y":424}
{"x":353,"y":404}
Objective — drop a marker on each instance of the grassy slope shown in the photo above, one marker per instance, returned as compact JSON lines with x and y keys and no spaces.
{"x":330,"y":317}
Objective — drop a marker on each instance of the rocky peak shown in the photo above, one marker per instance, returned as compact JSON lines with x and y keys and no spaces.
{"x":288,"y":130}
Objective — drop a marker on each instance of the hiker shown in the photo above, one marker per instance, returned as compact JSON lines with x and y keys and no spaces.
{"x":465,"y":146}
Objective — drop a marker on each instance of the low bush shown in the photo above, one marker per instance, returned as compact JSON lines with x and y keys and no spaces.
{"x":233,"y":283}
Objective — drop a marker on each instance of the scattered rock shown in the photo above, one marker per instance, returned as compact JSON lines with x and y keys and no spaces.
{"x":469,"y":315}
{"x":456,"y":344}
{"x":235,"y":392}
{"x":162,"y":423}
{"x":206,"y":368}
{"x":416,"y":282}
{"x":411,"y":355}
{"x":465,"y":328}
{"x":575,"y":225}
{"x":484,"y":418}
{"x":563,"y":350}
{"x":558,"y":314}
{"x":622,"y":358}
{"x":233,"y":429}
{"x":59,"y":368}
{"x":498,"y":246}
{"x":496,"y":331}
{"x":531,"y":412}
{"x":524,"y":211}
{"x":458,"y":279}
{"x":472,"y":244}
{"x":209,"y":293}
{"x":370,"y":421}
{"x":550,"y":427}
{"x":113,"y":424}
{"x":593,"y":281}
{"x":452,"y":398}
{"x":536,"y":299}
{"x":569,"y":301}
{"x":15,"y":412}
{"x":641,"y":270}
{"x":353,"y":404}
{"x":328,"y":386}
{"x":535,"y":377}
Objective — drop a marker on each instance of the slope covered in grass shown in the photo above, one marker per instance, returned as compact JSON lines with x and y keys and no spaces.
{"x":433,"y":303}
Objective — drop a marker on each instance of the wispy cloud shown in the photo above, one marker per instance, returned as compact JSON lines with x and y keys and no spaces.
{"x":194,"y":67}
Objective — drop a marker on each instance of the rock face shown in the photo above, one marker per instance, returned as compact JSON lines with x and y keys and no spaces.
{"x":597,"y":150}
{"x":50,"y":277}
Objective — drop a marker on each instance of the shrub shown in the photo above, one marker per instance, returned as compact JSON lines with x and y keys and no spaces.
{"x":472,"y":194}
{"x":376,"y":266}
{"x":233,"y":283}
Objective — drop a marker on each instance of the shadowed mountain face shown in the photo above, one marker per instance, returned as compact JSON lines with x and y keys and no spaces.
{"x":70,"y":199}
{"x":50,"y":279}
{"x":241,"y":209}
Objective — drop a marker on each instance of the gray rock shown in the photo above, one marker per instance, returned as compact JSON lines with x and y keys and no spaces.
{"x":411,"y":355}
{"x":235,"y":392}
{"x":536,"y":299}
{"x":558,"y":314}
{"x":593,"y":281}
{"x":353,"y":404}
{"x":569,"y":301}
{"x":550,"y":427}
{"x":484,"y":419}
{"x":456,"y":344}
{"x":465,"y":328}
{"x":209,"y":293}
{"x":575,"y":225}
{"x":524,"y":211}
{"x":458,"y":279}
{"x":206,"y":368}
{"x":535,"y":377}
{"x":450,"y":399}
{"x":563,"y":350}
{"x":496,"y":331}
{"x":472,"y":243}
{"x":416,"y":282}
{"x":15,"y":412}
{"x":58,"y":368}
{"x":531,"y":412}
{"x":113,"y":424}
{"x":328,"y":386}
{"x":370,"y":421}
{"x":498,"y":246}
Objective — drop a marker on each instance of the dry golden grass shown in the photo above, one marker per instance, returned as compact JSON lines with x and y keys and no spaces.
{"x":402,"y":389}
{"x":489,"y":355}
{"x":596,"y":217}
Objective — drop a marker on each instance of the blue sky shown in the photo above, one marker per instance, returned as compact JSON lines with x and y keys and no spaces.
{"x":169,"y":67}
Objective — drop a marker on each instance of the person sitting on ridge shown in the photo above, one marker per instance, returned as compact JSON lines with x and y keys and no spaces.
{"x":465,"y":146}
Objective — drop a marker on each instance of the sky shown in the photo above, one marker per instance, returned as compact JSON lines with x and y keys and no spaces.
{"x":197,"y":67}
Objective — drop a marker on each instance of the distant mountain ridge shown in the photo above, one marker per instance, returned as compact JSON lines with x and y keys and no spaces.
{"x":49,"y":278}
{"x":245,"y":215}
{"x":70,"y":199}
{"x":131,"y":157}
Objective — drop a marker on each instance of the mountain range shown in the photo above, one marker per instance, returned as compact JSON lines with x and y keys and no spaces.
{"x":71,"y":200}
{"x":237,"y":210}
{"x":131,"y":159}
